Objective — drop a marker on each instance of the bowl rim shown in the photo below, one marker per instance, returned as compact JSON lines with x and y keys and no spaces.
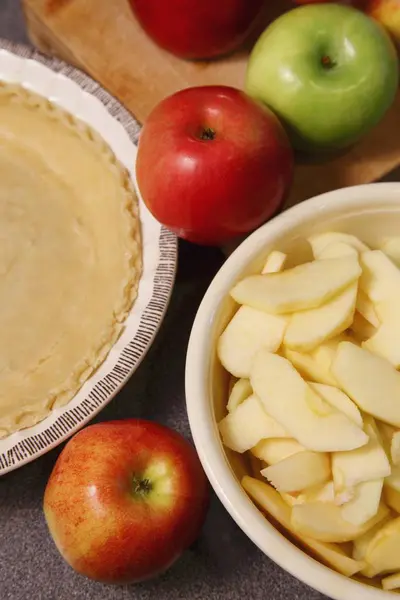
{"x":200,"y":411}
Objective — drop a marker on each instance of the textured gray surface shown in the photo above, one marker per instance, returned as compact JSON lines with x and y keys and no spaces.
{"x":223,"y":564}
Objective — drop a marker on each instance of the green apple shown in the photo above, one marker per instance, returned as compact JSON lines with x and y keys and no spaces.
{"x":328,"y":71}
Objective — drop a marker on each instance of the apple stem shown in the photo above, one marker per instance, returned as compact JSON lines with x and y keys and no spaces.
{"x":207,"y":134}
{"x":141,"y":487}
{"x":327,"y":62}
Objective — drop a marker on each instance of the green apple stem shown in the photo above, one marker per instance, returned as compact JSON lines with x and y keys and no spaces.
{"x":327,"y":62}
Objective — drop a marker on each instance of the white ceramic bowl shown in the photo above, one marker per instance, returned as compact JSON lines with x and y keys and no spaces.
{"x":371,"y":212}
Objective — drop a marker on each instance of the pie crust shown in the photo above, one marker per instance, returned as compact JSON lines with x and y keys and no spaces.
{"x":70,"y":255}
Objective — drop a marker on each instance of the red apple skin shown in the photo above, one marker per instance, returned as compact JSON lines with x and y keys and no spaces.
{"x":197,"y":29}
{"x":386,"y":12}
{"x":210,"y":191}
{"x":100,"y":527}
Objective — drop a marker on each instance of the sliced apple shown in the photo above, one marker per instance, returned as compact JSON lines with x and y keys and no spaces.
{"x":370,"y":380}
{"x":323,"y":521}
{"x":244,"y":427}
{"x":361,"y":328}
{"x":320,"y":493}
{"x":360,"y":544}
{"x":392,"y":582}
{"x":240,"y":391}
{"x":299,"y":471}
{"x":365,"y":307}
{"x":336,"y":249}
{"x":270,"y":501}
{"x":382,"y":553}
{"x":325,"y":352}
{"x":275,"y":262}
{"x":339,"y":400}
{"x":309,"y":367}
{"x":306,"y":416}
{"x":392,"y":498}
{"x":391,"y":439}
{"x":365,"y":503}
{"x":362,"y":464}
{"x":380,"y":279}
{"x":393,"y":480}
{"x":391,"y":247}
{"x":385,"y":342}
{"x":300,"y":288}
{"x":275,"y":450}
{"x":247,"y":332}
{"x":309,"y":328}
{"x":320,"y":241}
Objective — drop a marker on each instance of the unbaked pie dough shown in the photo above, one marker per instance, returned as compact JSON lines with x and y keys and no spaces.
{"x":70,"y":255}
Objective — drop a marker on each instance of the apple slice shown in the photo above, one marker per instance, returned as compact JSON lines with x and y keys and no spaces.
{"x":361,"y":328}
{"x":370,"y":380}
{"x":240,"y":391}
{"x":320,"y":241}
{"x":309,"y":367}
{"x":274,"y":263}
{"x":360,"y":544}
{"x":362,"y":464}
{"x":247,"y":332}
{"x":380,"y":279}
{"x":244,"y":427}
{"x":392,"y":498}
{"x":310,"y":420}
{"x":392,"y":582}
{"x":385,"y":342}
{"x":365,"y":307}
{"x":302,"y":287}
{"x":382,"y":553}
{"x":391,"y":247}
{"x":365,"y":503}
{"x":391,"y":439}
{"x":336,"y":249}
{"x":299,"y":471}
{"x":275,"y":450}
{"x":393,"y":480}
{"x":339,"y":400}
{"x":325,"y":352}
{"x":323,"y":521}
{"x":309,"y":328}
{"x":270,"y":501}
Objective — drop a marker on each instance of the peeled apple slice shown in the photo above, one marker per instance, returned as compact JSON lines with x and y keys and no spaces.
{"x":320,"y":241}
{"x":392,"y":582}
{"x":391,"y":442}
{"x":385,"y":342}
{"x":309,"y":328}
{"x":274,"y":263}
{"x":392,"y":498}
{"x":382,"y":553}
{"x":247,"y":425}
{"x":323,"y":521}
{"x":325,"y":352}
{"x":393,"y":480}
{"x":380,"y":279}
{"x":247,"y":332}
{"x":275,"y":450}
{"x":360,"y":544}
{"x":289,"y":400}
{"x":371,"y":381}
{"x":299,"y":471}
{"x":391,"y":247}
{"x":361,"y":328}
{"x":270,"y":501}
{"x":240,"y":391}
{"x":366,"y":309}
{"x":336,"y":249}
{"x":339,"y":400}
{"x":309,"y":367}
{"x":361,"y":464}
{"x":365,"y":503}
{"x":300,"y":288}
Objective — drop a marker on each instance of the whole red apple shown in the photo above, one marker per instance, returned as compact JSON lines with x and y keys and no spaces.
{"x":213,"y":164}
{"x":197,"y":28}
{"x":125,"y":499}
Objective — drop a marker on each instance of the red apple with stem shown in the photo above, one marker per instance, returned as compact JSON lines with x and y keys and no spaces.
{"x":194,"y":29}
{"x":213,"y":164}
{"x":125,"y":499}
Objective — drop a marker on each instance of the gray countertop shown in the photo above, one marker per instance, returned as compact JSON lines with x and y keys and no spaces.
{"x":223,"y":564}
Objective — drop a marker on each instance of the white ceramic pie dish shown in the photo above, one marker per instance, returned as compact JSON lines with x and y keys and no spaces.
{"x":84,"y":98}
{"x":370,"y":212}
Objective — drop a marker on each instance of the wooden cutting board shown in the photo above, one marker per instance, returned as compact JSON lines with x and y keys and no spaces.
{"x":103,"y":38}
